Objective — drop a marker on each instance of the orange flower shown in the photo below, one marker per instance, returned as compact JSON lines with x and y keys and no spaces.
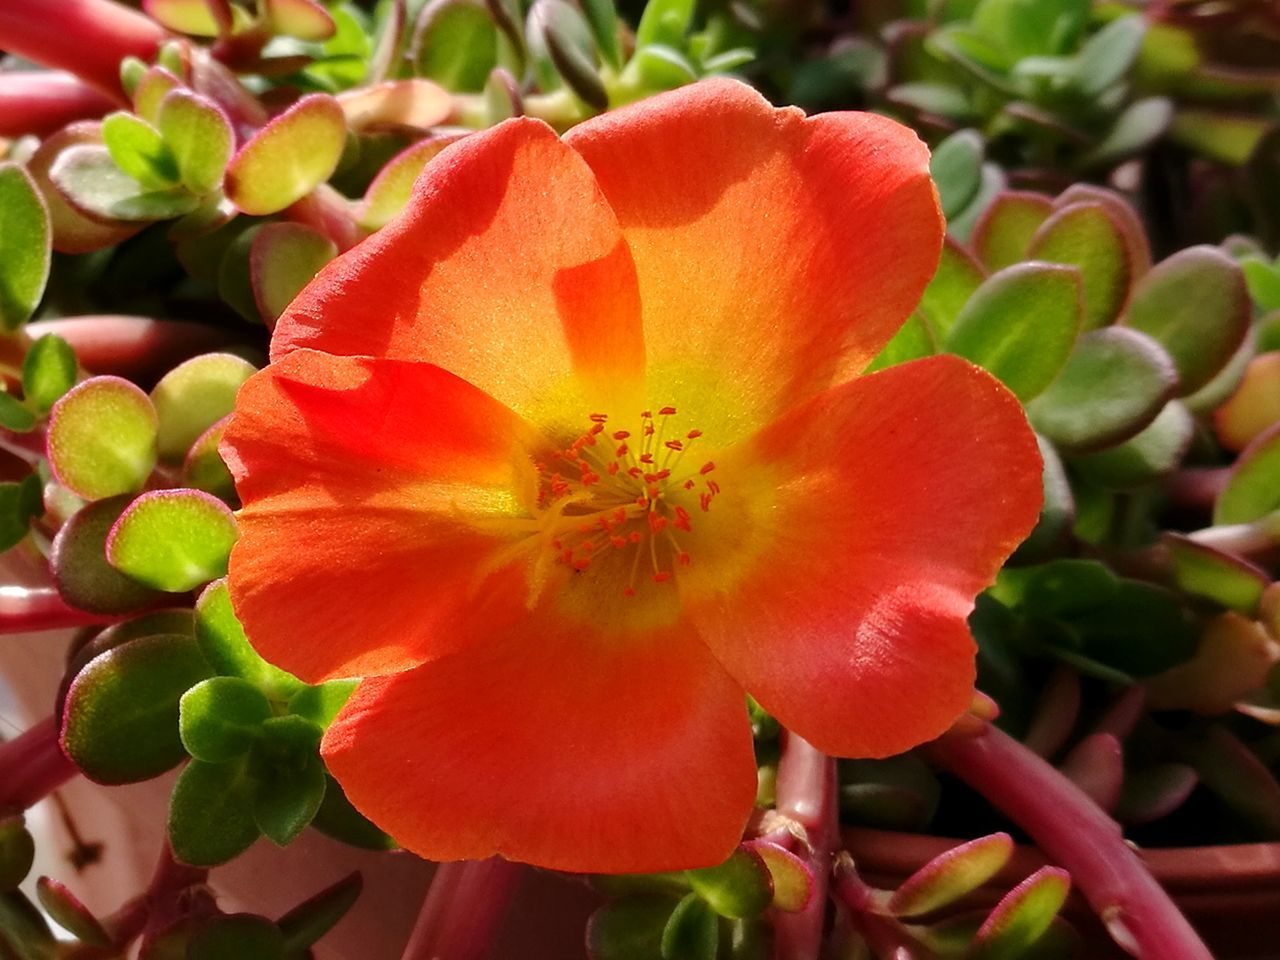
{"x":574,"y":452}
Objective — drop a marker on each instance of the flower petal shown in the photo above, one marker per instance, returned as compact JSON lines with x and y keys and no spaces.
{"x":367,"y":526}
{"x":557,"y":745}
{"x":507,"y":268}
{"x":780,"y":248}
{"x":866,"y":521}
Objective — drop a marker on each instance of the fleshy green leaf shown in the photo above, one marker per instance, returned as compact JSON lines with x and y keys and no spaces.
{"x":199,"y":137}
{"x":289,"y":777}
{"x":1021,"y":325}
{"x":20,"y":503}
{"x":1003,"y":233}
{"x":558,"y":32}
{"x":192,"y":397}
{"x":204,"y":469}
{"x":225,"y":646}
{"x":692,"y":932}
{"x":389,"y":191}
{"x":284,"y":258}
{"x":102,"y":438}
{"x":739,"y":888}
{"x":70,"y":914}
{"x":289,"y":157}
{"x":25,"y":236}
{"x":912,"y":341}
{"x":304,"y":19}
{"x":139,"y":150}
{"x":120,"y":721}
{"x":1108,"y":55}
{"x":1253,"y":488}
{"x":242,"y":936}
{"x":1145,"y":457}
{"x":210,"y":813}
{"x":956,"y":167}
{"x":792,"y":880}
{"x":456,"y":44}
{"x":338,"y":819}
{"x":78,"y":560}
{"x":220,"y":718}
{"x":17,"y":852}
{"x":309,"y":921}
{"x":173,"y":540}
{"x":629,"y":929}
{"x":1136,"y":129}
{"x":1196,"y":306}
{"x":957,"y":277}
{"x":48,"y":371}
{"x":1113,"y":385}
{"x":321,"y":703}
{"x":664,"y":22}
{"x":1215,"y":575}
{"x":1023,"y":916}
{"x":950,"y":875}
{"x":91,"y":182}
{"x":194,"y":17}
{"x":1085,"y":236}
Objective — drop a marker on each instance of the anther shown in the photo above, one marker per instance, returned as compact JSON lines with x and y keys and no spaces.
{"x":667,"y":411}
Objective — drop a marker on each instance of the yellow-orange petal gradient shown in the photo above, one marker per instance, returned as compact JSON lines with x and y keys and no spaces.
{"x":772,"y":250}
{"x":558,"y":745}
{"x":884,"y":506}
{"x":376,"y":495}
{"x":507,"y":268}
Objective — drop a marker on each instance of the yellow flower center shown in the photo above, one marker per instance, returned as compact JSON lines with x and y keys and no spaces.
{"x":624,"y":491}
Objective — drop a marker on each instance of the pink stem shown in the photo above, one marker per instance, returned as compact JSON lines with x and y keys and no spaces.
{"x":87,"y":37}
{"x":806,"y":792}
{"x":883,"y":934}
{"x":1074,"y":832}
{"x":132,"y":347}
{"x":32,"y":766}
{"x":42,"y":101}
{"x":459,"y":918}
{"x":30,"y":609}
{"x":329,"y":212}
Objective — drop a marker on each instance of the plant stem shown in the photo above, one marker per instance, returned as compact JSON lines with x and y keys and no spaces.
{"x":87,"y":37}
{"x":32,"y":766}
{"x":329,"y":212}
{"x":1075,"y":833}
{"x":42,"y":101}
{"x":30,"y":609}
{"x":133,"y":347}
{"x":459,"y":918}
{"x":806,"y":792}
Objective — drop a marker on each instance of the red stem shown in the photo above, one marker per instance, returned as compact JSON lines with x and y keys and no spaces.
{"x":459,"y":918}
{"x":32,"y":766}
{"x":806,"y":792}
{"x":1074,"y":832}
{"x":132,"y":347}
{"x":30,"y":609}
{"x":87,"y":37}
{"x":42,"y":101}
{"x":329,"y":212}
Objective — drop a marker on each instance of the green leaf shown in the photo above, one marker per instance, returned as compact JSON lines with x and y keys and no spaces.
{"x":24,"y":934}
{"x":912,"y":341}
{"x":602,"y":17}
{"x":1263,"y":280}
{"x":389,"y":191}
{"x":939,"y":99}
{"x":304,"y":19}
{"x":151,"y":91}
{"x":1141,"y":630}
{"x":1140,"y":124}
{"x":48,"y":371}
{"x":1004,"y":231}
{"x":1196,"y":305}
{"x":1059,"y":509}
{"x":629,"y":929}
{"x":139,"y":150}
{"x":1021,"y":325}
{"x":199,"y":137}
{"x":309,"y":921}
{"x":289,"y":157}
{"x":321,"y":703}
{"x":24,"y":246}
{"x":559,"y":33}
{"x":1059,"y":588}
{"x":1108,"y":55}
{"x":663,"y":68}
{"x":102,"y":438}
{"x":20,"y":503}
{"x":957,"y":277}
{"x":338,"y":819}
{"x":991,"y":182}
{"x":70,"y":914}
{"x":1114,"y":384}
{"x":220,"y":718}
{"x":210,"y":814}
{"x":120,"y":720}
{"x":242,"y":936}
{"x":1143,"y":458}
{"x":284,"y":258}
{"x":78,"y":561}
{"x":173,"y":540}
{"x":1086,"y":236}
{"x":193,"y":17}
{"x":950,"y":875}
{"x":204,"y":468}
{"x":739,"y":888}
{"x":192,"y":397}
{"x":1229,"y":138}
{"x":1253,"y":488}
{"x":93,"y":185}
{"x":14,"y":416}
{"x":664,"y":22}
{"x":289,"y":777}
{"x":792,"y":880}
{"x":225,"y":646}
{"x":1224,"y":578}
{"x":1023,"y":916}
{"x":956,"y":167}
{"x":692,"y":932}
{"x":17,"y":852}
{"x":456,"y":44}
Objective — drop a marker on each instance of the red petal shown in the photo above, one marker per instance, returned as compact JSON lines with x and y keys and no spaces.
{"x":557,"y":745}
{"x":773,"y":246}
{"x":507,"y":269}
{"x":376,"y":496}
{"x":869,"y":519}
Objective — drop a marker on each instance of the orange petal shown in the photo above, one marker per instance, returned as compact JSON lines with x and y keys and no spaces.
{"x":556,"y":745}
{"x":507,"y":268}
{"x":872,"y":516}
{"x":776,"y":247}
{"x":376,"y":495}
